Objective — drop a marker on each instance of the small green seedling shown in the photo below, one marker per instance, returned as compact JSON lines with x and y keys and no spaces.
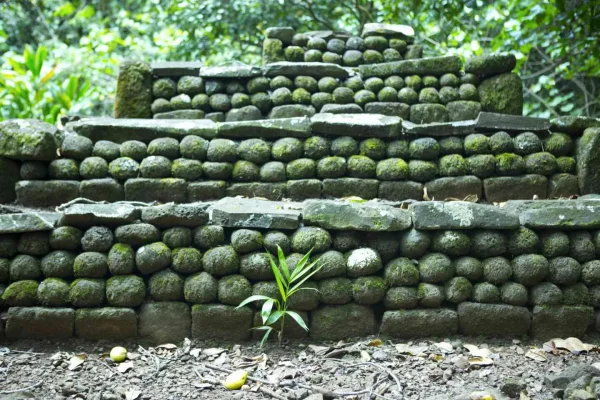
{"x":288,"y":283}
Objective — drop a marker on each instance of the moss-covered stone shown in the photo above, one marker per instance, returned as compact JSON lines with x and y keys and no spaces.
{"x":343,"y":95}
{"x":220,"y":171}
{"x":374,"y":84}
{"x":590,"y":273}
{"x":221,"y":261}
{"x":448,"y":95}
{"x":246,"y":240}
{"x":363,"y":97}
{"x":392,"y":169}
{"x":310,"y":238}
{"x":345,"y":241}
{"x":496,"y":270}
{"x":208,"y":236}
{"x":564,"y":270}
{"x":281,"y":96}
{"x":430,"y":296}
{"x":368,"y":290}
{"x":469,"y":268}
{"x":53,"y":292}
{"x":452,"y":243}
{"x":485,"y":293}
{"x":183,"y":168}
{"x":313,"y":55}
{"x":501,"y":142}
{"x":487,"y":243}
{"x":294,"y":54}
{"x":424,"y":149}
{"x":390,"y":55}
{"x":156,"y":167}
{"x":372,"y":57}
{"x":90,"y":265}
{"x":200,"y":288}
{"x":522,"y":241}
{"x":542,"y":163}
{"x":305,"y":300}
{"x":256,"y":266}
{"x":373,"y":148}
{"x":363,"y":261}
{"x":34,"y":243}
{"x":352,"y":58}
{"x":509,"y":164}
{"x":190,"y":85}
{"x":502,"y":94}
{"x":329,"y":264}
{"x":576,"y":295}
{"x":429,"y":95}
{"x":164,"y":87}
{"x":201,"y":102}
{"x":301,"y":96}
{"x":65,"y":238}
{"x":93,"y":168}
{"x":458,"y":289}
{"x":274,"y":239}
{"x":401,"y":272}
{"x":124,"y":168}
{"x":530,"y":269}
{"x":272,"y":51}
{"x":233,"y":289}
{"x":344,"y":146}
{"x":303,"y":168}
{"x":97,"y":238}
{"x":477,"y":144}
{"x":468,"y":91}
{"x":400,"y":298}
{"x":125,"y":291}
{"x":273,"y":171}
{"x":65,"y":169}
{"x":30,"y":170}
{"x":361,"y":167}
{"x":558,"y":144}
{"x":134,"y":90}
{"x":554,"y":244}
{"x":121,"y":259}
{"x":193,"y":147}
{"x":514,"y":294}
{"x":527,"y":143}
{"x":581,"y":246}
{"x":414,"y":243}
{"x":354,"y":83}
{"x":181,"y":102}
{"x":240,"y":100}
{"x":335,"y":291}
{"x":25,"y":267}
{"x":422,"y":171}
{"x":435,"y":267}
{"x":220,"y":102}
{"x":453,"y":165}
{"x":166,"y":285}
{"x":153,"y":258}
{"x":414,"y":82}
{"x":398,"y":149}
{"x":186,"y":260}
{"x":21,"y":294}
{"x":137,"y":234}
{"x":245,"y":171}
{"x":57,"y":264}
{"x":86,"y":292}
{"x":566,"y":165}
{"x":482,"y":165}
{"x":287,"y":149}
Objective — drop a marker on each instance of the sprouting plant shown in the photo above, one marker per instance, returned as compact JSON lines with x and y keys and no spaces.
{"x":289,"y":283}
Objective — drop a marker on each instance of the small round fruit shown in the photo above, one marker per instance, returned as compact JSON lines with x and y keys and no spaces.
{"x":118,"y":354}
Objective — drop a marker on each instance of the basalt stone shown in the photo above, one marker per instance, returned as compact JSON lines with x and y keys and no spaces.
{"x":86,"y":292}
{"x":121,"y":259}
{"x":493,"y":319}
{"x":200,"y":288}
{"x":530,"y":269}
{"x":28,"y":139}
{"x":341,"y":109}
{"x":162,"y":190}
{"x":186,"y":260}
{"x":271,"y":191}
{"x":222,"y":322}
{"x":97,"y":238}
{"x":76,"y":147}
{"x":180,"y":114}
{"x":428,"y":113}
{"x":454,"y":187}
{"x":314,"y":69}
{"x":220,"y":261}
{"x":491,"y":64}
{"x":461,"y":215}
{"x":562,"y":217}
{"x":458,"y":289}
{"x":563,"y":186}
{"x":19,"y":223}
{"x":175,"y":68}
{"x":462,"y":110}
{"x":164,"y":322}
{"x":401,"y":272}
{"x":351,"y":216}
{"x":414,"y":243}
{"x":65,"y":238}
{"x":507,"y":122}
{"x":177,"y":237}
{"x":166,"y":285}
{"x":153,"y":258}
{"x":105,"y":323}
{"x":399,"y":191}
{"x":588,"y":162}
{"x":561,"y":321}
{"x":429,"y":295}
{"x":364,"y":125}
{"x":346,"y":187}
{"x":525,"y":187}
{"x":208,"y":190}
{"x":400,"y":298}
{"x":502,"y":94}
{"x":571,"y":374}
{"x":302,"y":189}
{"x":24,"y":267}
{"x":400,"y":110}
{"x":137,"y":234}
{"x":246,"y":113}
{"x":419,"y":323}
{"x":574,"y":124}
{"x":46,"y":193}
{"x":436,"y":66}
{"x":90,"y":265}
{"x":39,"y":323}
{"x":292,"y":111}
{"x":86,"y":215}
{"x":250,"y":213}
{"x":169,"y":215}
{"x":342,"y":321}
{"x":30,"y":170}
{"x":58,"y":264}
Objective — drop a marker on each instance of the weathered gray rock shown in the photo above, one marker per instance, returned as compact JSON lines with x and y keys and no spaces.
{"x":46,"y":193}
{"x":461,"y":215}
{"x":346,"y":187}
{"x":524,"y":187}
{"x":400,"y":190}
{"x":478,"y":319}
{"x":284,"y":127}
{"x":314,"y":69}
{"x":577,"y":215}
{"x":361,"y":125}
{"x":247,"y":113}
{"x":106,"y":323}
{"x":368,"y":217}
{"x":170,"y":215}
{"x":180,"y":114}
{"x":404,"y":32}
{"x":463,"y":110}
{"x":218,"y":321}
{"x":570,"y":374}
{"x":207,"y":190}
{"x":254,"y":213}
{"x":175,"y":68}
{"x":283,"y":33}
{"x":164,"y":322}
{"x":341,"y":109}
{"x":456,"y":128}
{"x":134,"y":90}
{"x":502,"y":94}
{"x":491,"y":64}
{"x":561,"y":321}
{"x":161,"y":190}
{"x":515,"y":123}
{"x":573,"y":124}
{"x":424,"y":66}
{"x":292,"y":111}
{"x":419,"y":323}
{"x":271,"y":191}
{"x":400,"y":110}
{"x":85,"y":215}
{"x":231,"y":72}
{"x":458,"y":187}
{"x":588,"y":161}
{"x":144,"y":130}
{"x":28,"y":139}
{"x":27,"y":222}
{"x":39,"y":323}
{"x":428,"y":113}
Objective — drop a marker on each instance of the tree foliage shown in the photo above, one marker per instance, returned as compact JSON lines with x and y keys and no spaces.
{"x":556,"y":42}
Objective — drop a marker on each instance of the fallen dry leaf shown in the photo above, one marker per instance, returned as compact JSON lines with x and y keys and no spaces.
{"x":167,"y":346}
{"x":213,"y":351}
{"x":477,"y":352}
{"x":445,"y":347}
{"x":572,"y":344}
{"x":76,"y":361}
{"x":319,"y":350}
{"x":195,"y":352}
{"x":364,"y":356}
{"x":523,"y":396}
{"x":412,"y":350}
{"x":375,"y":343}
{"x":132,"y":394}
{"x":125,"y":366}
{"x":536,"y":354}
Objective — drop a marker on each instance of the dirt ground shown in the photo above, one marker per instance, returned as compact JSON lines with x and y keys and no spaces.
{"x":367,"y":369}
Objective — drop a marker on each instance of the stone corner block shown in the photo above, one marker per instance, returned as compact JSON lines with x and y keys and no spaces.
{"x":106,"y":323}
{"x":164,"y":322}
{"x":477,"y":319}
{"x":39,"y":323}
{"x":342,"y":322}
{"x":561,"y":321}
{"x":419,"y":323}
{"x":219,"y":321}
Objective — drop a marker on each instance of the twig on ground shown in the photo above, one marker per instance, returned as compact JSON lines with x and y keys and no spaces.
{"x":272,"y":393}
{"x":386,"y":370}
{"x":22,"y":389}
{"x":112,"y":372}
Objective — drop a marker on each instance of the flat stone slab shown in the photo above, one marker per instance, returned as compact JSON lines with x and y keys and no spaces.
{"x":422,"y":66}
{"x":431,"y":215}
{"x":573,"y":125}
{"x":439,"y":129}
{"x":39,"y":323}
{"x":357,"y":125}
{"x":404,"y":32}
{"x":299,"y":127}
{"x":477,"y":319}
{"x":99,"y":214}
{"x":314,"y":69}
{"x":144,"y":130}
{"x":180,"y":114}
{"x":27,"y":222}
{"x":341,"y":109}
{"x":522,"y":187}
{"x":175,"y":68}
{"x":515,"y":123}
{"x":419,"y":323}
{"x":234,"y":212}
{"x":491,"y":64}
{"x":28,"y":139}
{"x":588,"y":162}
{"x":367,"y":217}
{"x":573,"y":216}
{"x":170,"y":215}
{"x":231,"y":71}
{"x":561,"y":321}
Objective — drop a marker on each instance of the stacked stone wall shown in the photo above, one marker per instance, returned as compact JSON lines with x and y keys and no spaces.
{"x":434,"y":269}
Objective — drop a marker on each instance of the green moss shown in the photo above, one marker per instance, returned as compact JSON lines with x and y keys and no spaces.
{"x":392,"y":169}
{"x":303,"y":168}
{"x":509,"y":164}
{"x":363,"y":97}
{"x":361,"y":167}
{"x":125,"y":291}
{"x":53,"y":292}
{"x":414,"y":82}
{"x":239,"y":100}
{"x":530,"y":269}
{"x":287,"y":149}
{"x":400,"y":298}
{"x":313,"y":55}
{"x":496,"y":270}
{"x":272,"y":51}
{"x":166,"y":285}
{"x":452,"y":243}
{"x":540,"y":163}
{"x":294,"y":54}
{"x":343,"y":95}
{"x":482,"y":165}
{"x":401,"y":272}
{"x":373,"y":148}
{"x":422,"y":171}
{"x":134,"y":91}
{"x":135,"y":149}
{"x":514,"y":294}
{"x":435,"y":267}
{"x":308,"y":83}
{"x":388,"y":95}
{"x":320,"y":99}
{"x":430,"y":296}
{"x":566,"y":165}
{"x":527,"y":143}
{"x":21,"y":294}
{"x":183,"y":168}
{"x":200,"y":288}
{"x":486,"y":292}
{"x":344,"y":146}
{"x":368,"y":290}
{"x":87,"y":292}
{"x":301,"y":96}
{"x":424,"y":149}
{"x":453,"y":165}
{"x":458,"y":289}
{"x":245,"y":171}
{"x":310,"y":237}
{"x":448,"y":94}
{"x":477,"y":144}
{"x":502,"y":94}
{"x":233,"y":289}
{"x":331,"y":167}
{"x":354,"y":83}
{"x":335,"y":291}
{"x":429,"y":95}
{"x":372,"y":57}
{"x":486,"y":243}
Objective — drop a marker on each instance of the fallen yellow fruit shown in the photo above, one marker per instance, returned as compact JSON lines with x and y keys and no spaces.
{"x":118,"y":354}
{"x":236,"y":380}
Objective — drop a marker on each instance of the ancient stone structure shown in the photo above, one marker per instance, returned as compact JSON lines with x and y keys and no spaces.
{"x":355,"y":147}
